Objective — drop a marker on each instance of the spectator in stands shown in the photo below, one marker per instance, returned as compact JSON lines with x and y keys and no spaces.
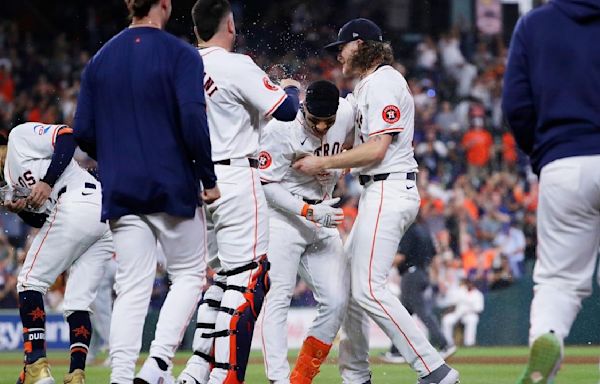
{"x":511,"y":241}
{"x":467,"y":306}
{"x":477,"y":144}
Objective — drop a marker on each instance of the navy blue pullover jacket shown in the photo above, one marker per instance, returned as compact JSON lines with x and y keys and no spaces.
{"x":551,"y":97}
{"x":141,"y":114}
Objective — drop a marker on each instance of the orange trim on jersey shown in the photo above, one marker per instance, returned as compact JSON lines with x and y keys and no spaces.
{"x":27,"y":347}
{"x":79,"y":349}
{"x":42,"y":243}
{"x":387,"y":130}
{"x":277,"y":104}
{"x":64,"y":131}
{"x":371,"y":287}
{"x":55,"y":133}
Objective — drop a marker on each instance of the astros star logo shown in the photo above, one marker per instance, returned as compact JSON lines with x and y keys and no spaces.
{"x":37,"y":313}
{"x":81,"y":331}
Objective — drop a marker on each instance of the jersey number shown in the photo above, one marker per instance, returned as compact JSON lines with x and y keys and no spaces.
{"x":27,"y":180}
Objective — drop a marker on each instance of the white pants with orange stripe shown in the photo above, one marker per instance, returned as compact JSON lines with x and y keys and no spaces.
{"x":239,"y":234}
{"x":385,"y":211}
{"x":74,"y":237}
{"x":297,"y":245}
{"x":183,"y":241}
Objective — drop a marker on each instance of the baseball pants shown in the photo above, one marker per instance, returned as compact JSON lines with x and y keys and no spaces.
{"x":135,"y":238}
{"x":568,"y":238}
{"x":74,"y":237}
{"x":385,"y":211}
{"x":297,"y":245}
{"x":238,"y":236}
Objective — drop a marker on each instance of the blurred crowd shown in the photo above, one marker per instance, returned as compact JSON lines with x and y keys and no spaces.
{"x":478,"y":195}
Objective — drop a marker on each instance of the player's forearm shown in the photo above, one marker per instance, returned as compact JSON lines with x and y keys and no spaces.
{"x":281,"y":198}
{"x":369,"y":153}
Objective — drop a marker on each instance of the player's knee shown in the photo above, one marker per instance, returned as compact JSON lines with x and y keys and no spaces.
{"x":336,"y":305}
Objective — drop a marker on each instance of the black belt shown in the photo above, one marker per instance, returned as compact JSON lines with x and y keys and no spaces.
{"x":312,"y":202}
{"x":253,"y":162}
{"x":64,"y":189}
{"x":364,"y":179}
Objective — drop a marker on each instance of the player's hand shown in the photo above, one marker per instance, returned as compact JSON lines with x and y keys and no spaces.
{"x":284,"y":83}
{"x":209,"y":196}
{"x":326,"y":215}
{"x":311,"y":165}
{"x":15,"y":206}
{"x":39,"y":194}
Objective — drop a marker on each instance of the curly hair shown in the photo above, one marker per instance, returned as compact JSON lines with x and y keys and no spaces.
{"x":372,"y":53}
{"x":140,"y":8}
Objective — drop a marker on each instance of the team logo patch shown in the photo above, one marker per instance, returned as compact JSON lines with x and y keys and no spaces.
{"x":264,"y":160}
{"x":268,"y":84}
{"x":391,"y":114}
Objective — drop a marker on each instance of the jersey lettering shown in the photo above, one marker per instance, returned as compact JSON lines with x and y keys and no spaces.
{"x":209,"y":85}
{"x":328,"y":150}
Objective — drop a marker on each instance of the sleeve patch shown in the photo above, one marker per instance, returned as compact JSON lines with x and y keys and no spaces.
{"x":264,"y":160}
{"x":391,"y":114}
{"x":269,"y":85}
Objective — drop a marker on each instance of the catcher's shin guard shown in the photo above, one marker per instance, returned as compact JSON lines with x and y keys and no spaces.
{"x":241,"y":316}
{"x":199,"y":364}
{"x":312,"y":354}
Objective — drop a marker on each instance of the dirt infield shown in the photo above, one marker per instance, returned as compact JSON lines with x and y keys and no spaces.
{"x":470,"y":360}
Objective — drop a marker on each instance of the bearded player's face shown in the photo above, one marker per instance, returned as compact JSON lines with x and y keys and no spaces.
{"x":347,"y":51}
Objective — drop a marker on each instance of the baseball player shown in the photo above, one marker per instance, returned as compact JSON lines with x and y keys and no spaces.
{"x":388,"y":204}
{"x":64,"y":203}
{"x":302,"y":233}
{"x":558,"y":125}
{"x":240,"y":97}
{"x":141,"y":112}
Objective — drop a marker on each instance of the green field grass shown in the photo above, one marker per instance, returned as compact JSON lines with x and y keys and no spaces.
{"x":495,"y":366}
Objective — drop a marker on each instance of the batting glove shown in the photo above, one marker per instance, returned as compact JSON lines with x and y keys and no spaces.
{"x":324,"y":214}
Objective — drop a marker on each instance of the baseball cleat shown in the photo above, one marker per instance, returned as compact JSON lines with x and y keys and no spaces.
{"x":544,"y":360}
{"x":442,"y":375}
{"x":75,"y":377}
{"x":152,"y":374}
{"x":36,"y":373}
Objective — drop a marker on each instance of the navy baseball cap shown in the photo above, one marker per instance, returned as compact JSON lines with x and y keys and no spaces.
{"x":355,"y":29}
{"x":322,"y":98}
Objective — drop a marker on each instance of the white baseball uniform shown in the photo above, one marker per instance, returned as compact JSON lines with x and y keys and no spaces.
{"x":297,"y":245}
{"x":239,"y":98}
{"x":386,"y":209}
{"x":73,"y":235}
